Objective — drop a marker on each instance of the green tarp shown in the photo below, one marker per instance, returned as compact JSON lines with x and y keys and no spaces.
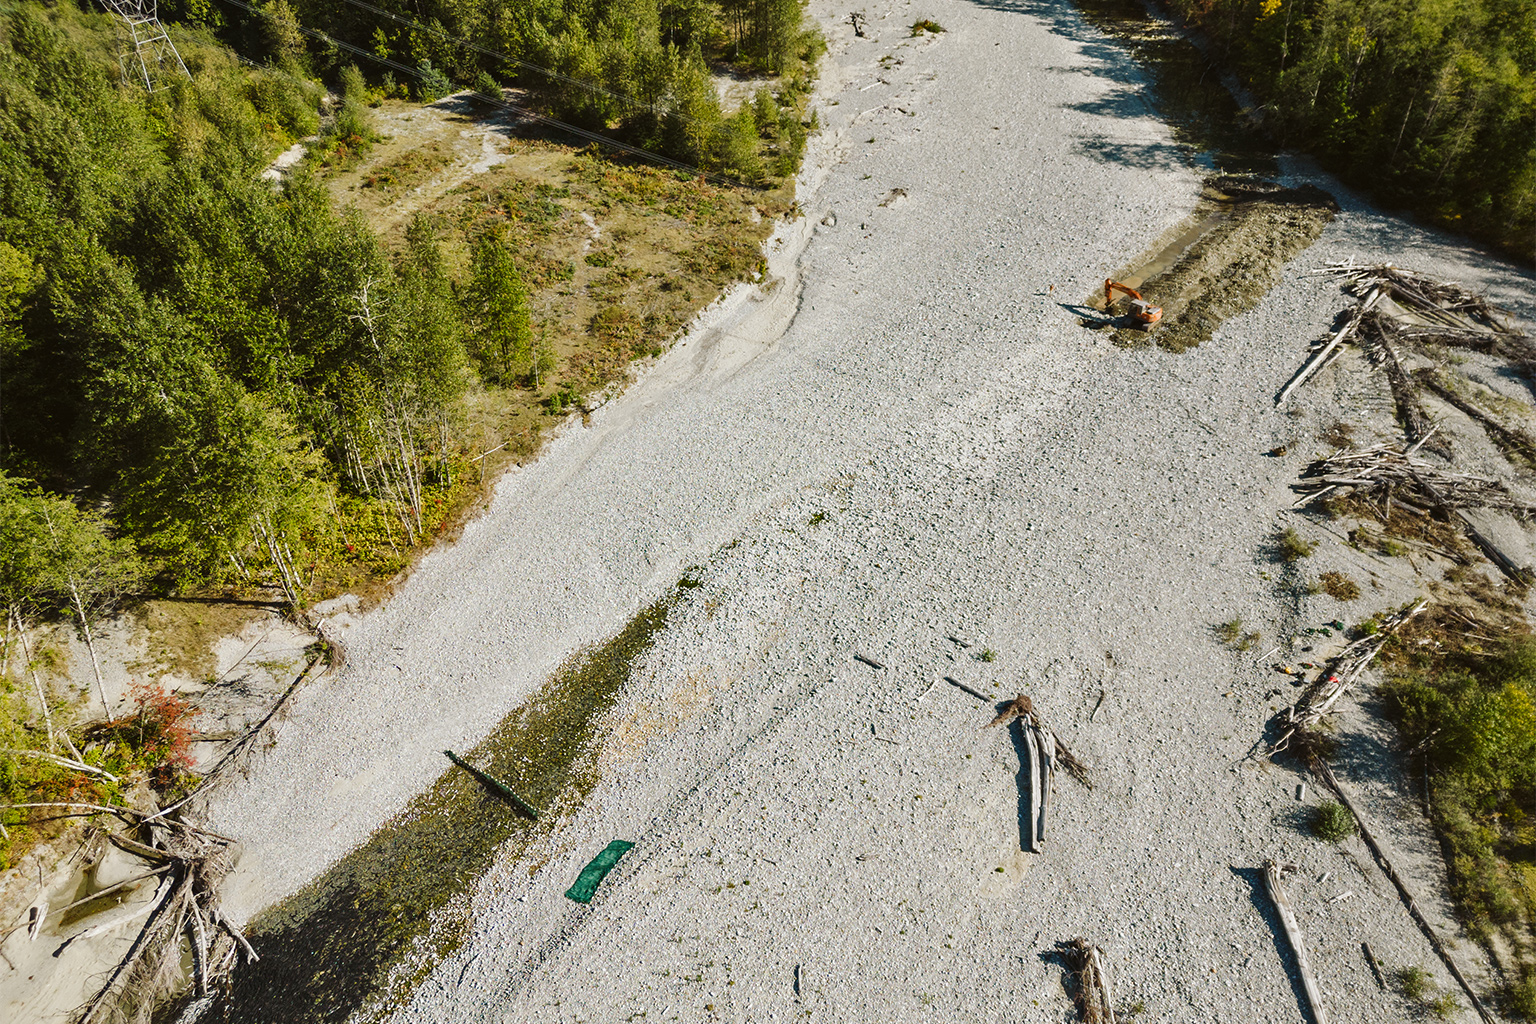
{"x":591,"y":875}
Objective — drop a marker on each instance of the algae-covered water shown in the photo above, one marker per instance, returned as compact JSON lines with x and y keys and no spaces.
{"x":334,"y":947}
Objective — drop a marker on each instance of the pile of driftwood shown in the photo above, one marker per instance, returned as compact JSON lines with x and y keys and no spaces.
{"x":189,"y":862}
{"x":1444,"y":304}
{"x":1043,"y":751}
{"x":1343,"y":672}
{"x":1435,"y":313}
{"x":1392,"y":478}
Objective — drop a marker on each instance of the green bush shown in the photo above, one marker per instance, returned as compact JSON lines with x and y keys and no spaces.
{"x":432,"y":83}
{"x":1522,"y":997}
{"x":1476,"y":723}
{"x":1294,"y":546}
{"x":1233,"y":635}
{"x":1333,"y":822}
{"x":1415,"y":982}
{"x":1442,"y":1006}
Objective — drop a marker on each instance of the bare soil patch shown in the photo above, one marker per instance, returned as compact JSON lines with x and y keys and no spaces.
{"x":1221,"y":260}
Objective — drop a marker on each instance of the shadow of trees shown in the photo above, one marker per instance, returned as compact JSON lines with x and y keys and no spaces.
{"x":1166,"y":75}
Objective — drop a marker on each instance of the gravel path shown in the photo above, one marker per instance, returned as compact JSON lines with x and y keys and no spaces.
{"x":931,"y":448}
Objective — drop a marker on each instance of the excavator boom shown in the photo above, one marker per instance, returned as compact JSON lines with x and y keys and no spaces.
{"x":1141,"y":310}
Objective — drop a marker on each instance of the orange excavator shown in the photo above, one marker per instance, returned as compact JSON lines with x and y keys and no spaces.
{"x":1142,"y":311}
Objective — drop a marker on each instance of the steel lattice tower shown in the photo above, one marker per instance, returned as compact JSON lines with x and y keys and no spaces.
{"x":152,"y":46}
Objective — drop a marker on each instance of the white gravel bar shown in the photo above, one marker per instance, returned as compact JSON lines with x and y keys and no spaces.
{"x":906,"y":437}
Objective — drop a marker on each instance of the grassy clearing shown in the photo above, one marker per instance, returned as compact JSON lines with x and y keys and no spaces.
{"x":616,"y":259}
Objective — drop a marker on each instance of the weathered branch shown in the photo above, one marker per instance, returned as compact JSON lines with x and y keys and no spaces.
{"x":1272,"y":873}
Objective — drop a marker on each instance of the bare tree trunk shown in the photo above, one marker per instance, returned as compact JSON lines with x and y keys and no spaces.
{"x":287,"y":577}
{"x":5,"y":648}
{"x":90,"y":645}
{"x":85,"y":622}
{"x":395,"y":409}
{"x":26,"y":653}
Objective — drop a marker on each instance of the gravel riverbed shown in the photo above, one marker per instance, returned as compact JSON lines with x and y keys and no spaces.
{"x":902,"y":439}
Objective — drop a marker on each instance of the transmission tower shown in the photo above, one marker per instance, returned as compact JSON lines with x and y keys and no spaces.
{"x":152,"y":46}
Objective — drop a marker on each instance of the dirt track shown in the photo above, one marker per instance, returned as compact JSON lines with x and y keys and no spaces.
{"x":905,"y":439}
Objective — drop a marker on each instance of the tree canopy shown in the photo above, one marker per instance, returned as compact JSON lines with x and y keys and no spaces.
{"x":1429,"y":103}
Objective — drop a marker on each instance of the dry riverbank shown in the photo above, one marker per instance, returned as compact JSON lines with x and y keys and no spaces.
{"x":916,"y":442}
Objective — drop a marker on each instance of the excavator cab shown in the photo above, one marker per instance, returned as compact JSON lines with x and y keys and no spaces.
{"x":1142,"y":311}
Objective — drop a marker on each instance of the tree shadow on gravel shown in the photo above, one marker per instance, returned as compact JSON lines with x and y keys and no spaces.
{"x":1258,"y":895}
{"x":1165,"y":70}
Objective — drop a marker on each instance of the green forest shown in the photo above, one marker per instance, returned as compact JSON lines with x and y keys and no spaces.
{"x":636,"y":70}
{"x":1430,"y":104}
{"x":212,"y":383}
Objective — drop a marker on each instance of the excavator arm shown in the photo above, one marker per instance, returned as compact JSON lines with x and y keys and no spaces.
{"x":1142,"y":311}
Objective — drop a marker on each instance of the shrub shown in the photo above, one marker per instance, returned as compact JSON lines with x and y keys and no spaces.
{"x":1232,"y":634}
{"x":1414,"y":981}
{"x":1339,"y":586}
{"x":434,"y":85}
{"x":1333,"y":822}
{"x":765,"y":112}
{"x":925,"y":25}
{"x":1293,"y":545}
{"x":1442,"y":1006}
{"x":351,"y":85}
{"x":156,"y":738}
{"x":1522,"y":998}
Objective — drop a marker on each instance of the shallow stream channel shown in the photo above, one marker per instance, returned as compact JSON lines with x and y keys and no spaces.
{"x":354,"y":943}
{"x":335,"y":948}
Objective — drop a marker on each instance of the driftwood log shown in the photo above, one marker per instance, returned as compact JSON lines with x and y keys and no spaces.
{"x":1343,"y":672}
{"x":1390,"y":477}
{"x":1431,"y":312}
{"x":1095,"y":1001}
{"x":1272,"y":875}
{"x":1036,"y":790}
{"x":1043,"y":751}
{"x":1325,"y":773}
{"x":1325,"y":352}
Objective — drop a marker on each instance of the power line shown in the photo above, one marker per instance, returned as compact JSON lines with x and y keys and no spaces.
{"x":582,"y":133}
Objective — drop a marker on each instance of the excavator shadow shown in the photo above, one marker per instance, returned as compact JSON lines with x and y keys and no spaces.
{"x":1096,"y":319}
